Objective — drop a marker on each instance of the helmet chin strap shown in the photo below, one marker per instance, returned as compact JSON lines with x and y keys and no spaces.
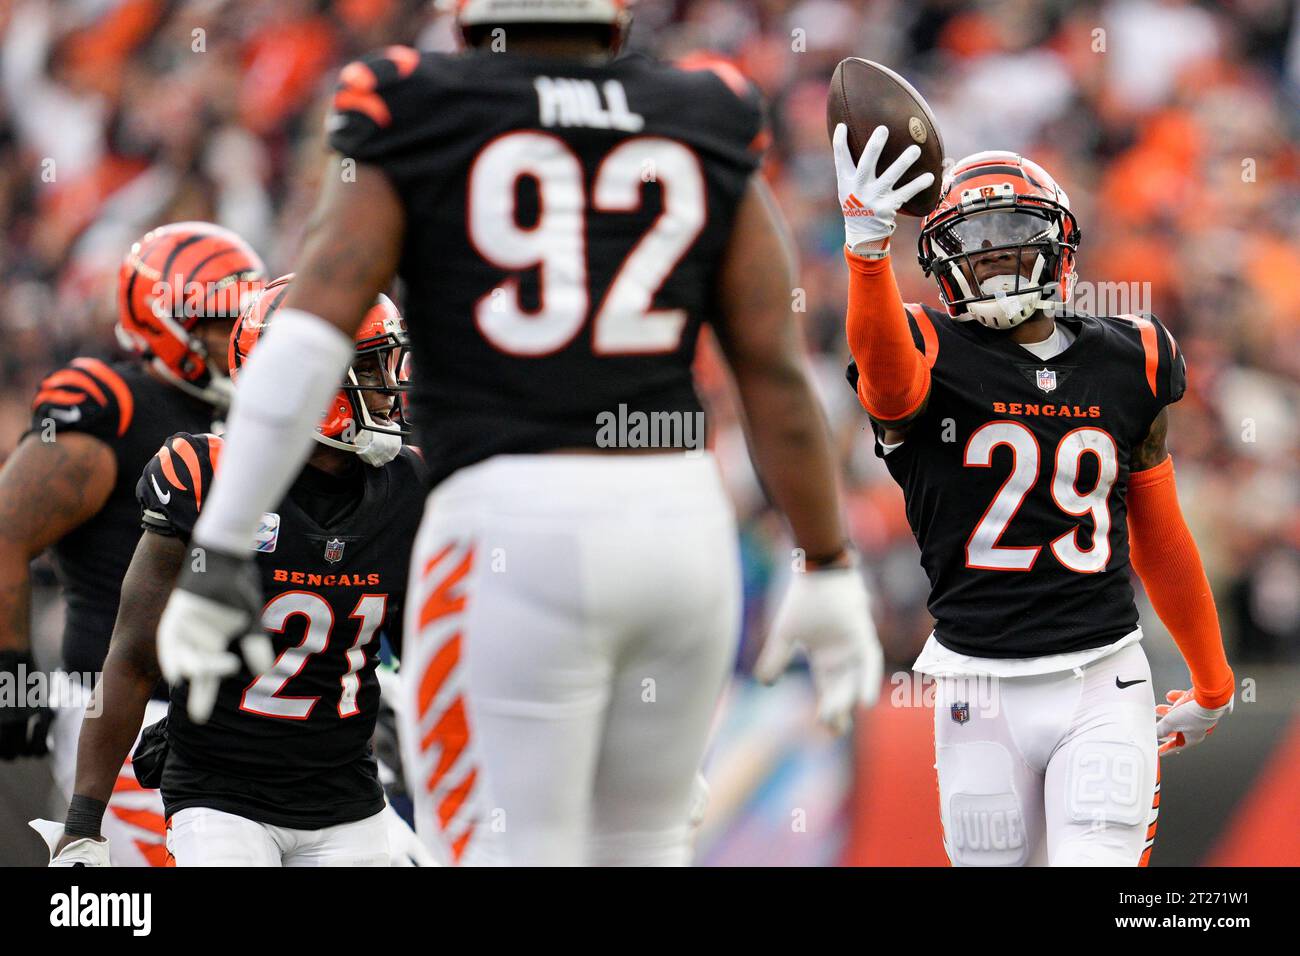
{"x":219,"y":390}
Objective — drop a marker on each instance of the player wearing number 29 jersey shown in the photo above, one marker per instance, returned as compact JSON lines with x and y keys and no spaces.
{"x":1016,"y":475}
{"x":1030,"y":446}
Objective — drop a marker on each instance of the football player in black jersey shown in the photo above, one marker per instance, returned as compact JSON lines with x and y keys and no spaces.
{"x":282,"y":773}
{"x":1029,"y":442}
{"x":70,"y":484}
{"x":564,"y":222}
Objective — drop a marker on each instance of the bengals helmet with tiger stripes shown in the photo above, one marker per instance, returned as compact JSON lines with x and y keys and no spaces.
{"x":379,"y":365}
{"x":172,"y":279}
{"x":998,"y":205}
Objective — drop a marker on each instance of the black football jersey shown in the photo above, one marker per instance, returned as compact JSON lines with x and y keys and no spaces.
{"x":1015,"y":477}
{"x":564,"y":225}
{"x":291,"y":747}
{"x":132,"y":412}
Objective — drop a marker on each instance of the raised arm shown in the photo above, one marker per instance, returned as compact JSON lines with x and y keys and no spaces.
{"x":893,"y":379}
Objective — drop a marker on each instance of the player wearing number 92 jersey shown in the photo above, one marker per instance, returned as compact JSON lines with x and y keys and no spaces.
{"x":555,"y":212}
{"x":565,"y":221}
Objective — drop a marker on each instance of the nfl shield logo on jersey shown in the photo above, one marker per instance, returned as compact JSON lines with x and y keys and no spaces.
{"x":1046,"y":379}
{"x":334,"y":550}
{"x":961,"y":711}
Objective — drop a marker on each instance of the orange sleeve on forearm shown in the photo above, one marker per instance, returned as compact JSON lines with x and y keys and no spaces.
{"x":1164,"y":555}
{"x":893,"y":377}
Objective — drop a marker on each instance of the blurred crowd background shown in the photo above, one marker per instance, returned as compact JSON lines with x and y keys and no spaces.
{"x":1173,"y":125}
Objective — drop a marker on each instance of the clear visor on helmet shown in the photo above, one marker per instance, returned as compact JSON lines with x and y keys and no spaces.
{"x":995,"y":228}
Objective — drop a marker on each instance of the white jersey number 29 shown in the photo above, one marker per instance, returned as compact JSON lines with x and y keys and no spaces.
{"x":982,"y":548}
{"x":556,"y":244}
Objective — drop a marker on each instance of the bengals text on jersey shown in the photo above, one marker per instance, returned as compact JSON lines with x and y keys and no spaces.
{"x":1015,"y":475}
{"x":291,"y":747}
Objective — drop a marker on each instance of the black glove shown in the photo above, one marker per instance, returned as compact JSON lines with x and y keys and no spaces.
{"x":23,"y":728}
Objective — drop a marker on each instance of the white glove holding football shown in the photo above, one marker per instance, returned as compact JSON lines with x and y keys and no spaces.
{"x":828,"y":614}
{"x":1183,"y":721}
{"x":870,"y":202}
{"x":83,"y":852}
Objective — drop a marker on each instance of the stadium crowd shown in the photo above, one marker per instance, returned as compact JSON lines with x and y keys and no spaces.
{"x":1173,"y":125}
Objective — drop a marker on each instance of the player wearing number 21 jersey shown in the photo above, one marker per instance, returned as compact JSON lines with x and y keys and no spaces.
{"x":282,"y":773}
{"x":1029,"y":442}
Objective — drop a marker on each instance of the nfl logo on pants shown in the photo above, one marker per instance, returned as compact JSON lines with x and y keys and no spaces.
{"x":334,"y":550}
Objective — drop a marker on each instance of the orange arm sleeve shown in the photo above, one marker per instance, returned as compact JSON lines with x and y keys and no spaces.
{"x":1165,"y":557}
{"x":893,"y":377}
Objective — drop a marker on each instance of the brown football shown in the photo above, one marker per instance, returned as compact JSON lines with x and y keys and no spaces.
{"x":864,"y":95}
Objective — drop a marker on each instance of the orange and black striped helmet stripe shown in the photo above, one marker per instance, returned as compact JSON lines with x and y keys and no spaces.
{"x":253,"y":322}
{"x":201,"y":258}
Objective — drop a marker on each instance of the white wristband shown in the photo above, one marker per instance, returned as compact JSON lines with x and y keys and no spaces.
{"x":871,"y":248}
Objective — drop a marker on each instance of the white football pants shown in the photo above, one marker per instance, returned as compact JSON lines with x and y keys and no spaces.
{"x":570,"y":622}
{"x":1054,"y":768}
{"x":201,"y":836}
